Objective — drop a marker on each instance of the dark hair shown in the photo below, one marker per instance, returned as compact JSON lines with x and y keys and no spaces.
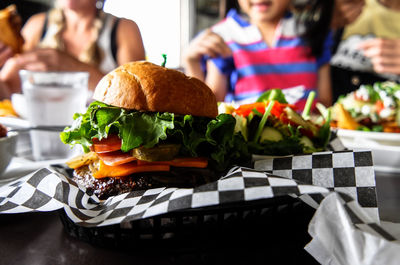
{"x":316,"y":17}
{"x":231,"y":4}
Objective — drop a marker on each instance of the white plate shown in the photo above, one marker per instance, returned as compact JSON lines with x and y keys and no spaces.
{"x":378,"y":136}
{"x":14,"y":122}
{"x":385,"y":147}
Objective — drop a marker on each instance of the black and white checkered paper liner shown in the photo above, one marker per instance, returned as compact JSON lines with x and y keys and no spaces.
{"x":348,"y":172}
{"x":49,"y":190}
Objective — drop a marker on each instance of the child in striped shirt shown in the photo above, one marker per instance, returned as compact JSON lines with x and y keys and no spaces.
{"x":265,"y":48}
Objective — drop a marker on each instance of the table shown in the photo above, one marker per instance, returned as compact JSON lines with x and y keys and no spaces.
{"x":39,"y":238}
{"x":388,"y":192}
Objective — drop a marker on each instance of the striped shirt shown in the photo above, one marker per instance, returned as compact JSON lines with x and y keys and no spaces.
{"x":255,"y":67}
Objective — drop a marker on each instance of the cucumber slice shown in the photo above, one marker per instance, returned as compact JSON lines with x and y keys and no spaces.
{"x":270,"y":134}
{"x":308,"y":144}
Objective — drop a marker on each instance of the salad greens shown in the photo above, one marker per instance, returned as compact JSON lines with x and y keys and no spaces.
{"x":374,"y":107}
{"x":199,"y":136}
{"x":307,"y":107}
{"x":283,"y":131}
{"x":273,"y":94}
{"x":263,"y":120}
{"x":269,"y":127}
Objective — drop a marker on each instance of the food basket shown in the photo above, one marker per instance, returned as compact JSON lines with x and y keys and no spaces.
{"x":193,"y":226}
{"x":190,"y":229}
{"x":245,"y":206}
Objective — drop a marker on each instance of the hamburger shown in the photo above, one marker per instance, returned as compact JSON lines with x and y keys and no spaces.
{"x":151,"y":126}
{"x":10,"y":27}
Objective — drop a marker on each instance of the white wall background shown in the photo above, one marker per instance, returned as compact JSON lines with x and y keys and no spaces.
{"x":160,"y":24}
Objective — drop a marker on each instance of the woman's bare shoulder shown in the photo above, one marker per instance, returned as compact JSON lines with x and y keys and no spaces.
{"x":32,"y":30}
{"x":127,"y":25}
{"x":35,"y":21}
{"x":128,"y":33}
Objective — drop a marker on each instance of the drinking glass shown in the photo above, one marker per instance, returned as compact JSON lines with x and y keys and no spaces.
{"x":52,"y":98}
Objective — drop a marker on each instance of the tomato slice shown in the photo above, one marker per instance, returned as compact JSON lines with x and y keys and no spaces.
{"x":109,"y":144}
{"x":116,"y":158}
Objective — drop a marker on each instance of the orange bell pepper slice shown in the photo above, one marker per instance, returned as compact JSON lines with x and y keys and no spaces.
{"x":126,"y":169}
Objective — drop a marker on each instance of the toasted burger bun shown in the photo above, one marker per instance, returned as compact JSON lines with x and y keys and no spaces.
{"x":144,"y":86}
{"x":9,"y":31}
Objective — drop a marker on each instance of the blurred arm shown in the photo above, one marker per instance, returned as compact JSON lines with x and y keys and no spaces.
{"x":217,"y":81}
{"x":4,"y":91}
{"x":324,"y":85}
{"x":129,"y":41}
{"x":5,"y":53}
{"x":32,"y":31}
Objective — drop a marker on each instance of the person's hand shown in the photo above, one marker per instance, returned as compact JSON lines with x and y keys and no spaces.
{"x":37,"y":60}
{"x":207,"y":43}
{"x":47,"y":60}
{"x":346,"y":12}
{"x":5,"y":53}
{"x":384,"y":54}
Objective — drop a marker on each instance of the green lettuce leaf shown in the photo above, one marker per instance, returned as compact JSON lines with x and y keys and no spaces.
{"x":272,"y":94}
{"x":199,"y":136}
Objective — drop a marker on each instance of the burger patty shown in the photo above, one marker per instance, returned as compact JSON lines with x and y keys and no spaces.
{"x":176,"y":177}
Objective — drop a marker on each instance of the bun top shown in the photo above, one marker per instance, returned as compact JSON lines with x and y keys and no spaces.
{"x":10,"y":26}
{"x":144,"y":86}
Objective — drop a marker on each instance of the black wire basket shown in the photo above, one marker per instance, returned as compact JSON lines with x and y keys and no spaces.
{"x":277,"y":218}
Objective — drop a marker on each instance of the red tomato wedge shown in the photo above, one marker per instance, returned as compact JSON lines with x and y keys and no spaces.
{"x":199,"y":162}
{"x":126,"y":169}
{"x":116,"y":158}
{"x":245,"y":109}
{"x":277,"y":109}
{"x":379,"y":106}
{"x":109,"y":144}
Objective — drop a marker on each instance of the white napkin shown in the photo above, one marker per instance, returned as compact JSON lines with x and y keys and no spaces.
{"x":336,"y":241}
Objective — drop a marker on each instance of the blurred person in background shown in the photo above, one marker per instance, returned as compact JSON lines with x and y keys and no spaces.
{"x":5,"y":53}
{"x":74,"y":36}
{"x":3,"y":90}
{"x":263,"y":45}
{"x":368,"y":49}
